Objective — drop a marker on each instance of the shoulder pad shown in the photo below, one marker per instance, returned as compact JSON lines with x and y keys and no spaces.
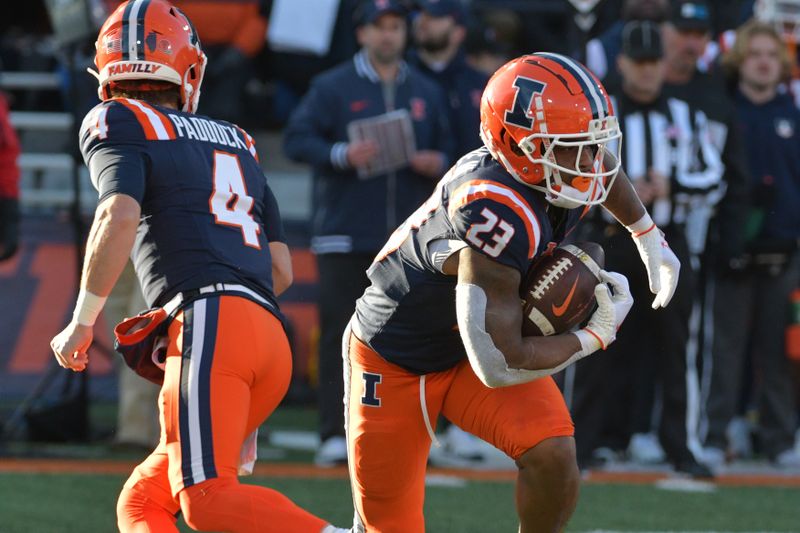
{"x":125,"y":119}
{"x":485,"y":209}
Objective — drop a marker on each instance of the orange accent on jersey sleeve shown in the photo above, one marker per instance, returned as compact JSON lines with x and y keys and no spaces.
{"x":462,"y":197}
{"x":144,"y":122}
{"x":167,"y":123}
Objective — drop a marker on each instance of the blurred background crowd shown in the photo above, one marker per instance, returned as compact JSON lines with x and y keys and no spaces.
{"x":707,"y":95}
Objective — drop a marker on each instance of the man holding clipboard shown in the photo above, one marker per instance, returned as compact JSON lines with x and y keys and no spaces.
{"x":375,"y":131}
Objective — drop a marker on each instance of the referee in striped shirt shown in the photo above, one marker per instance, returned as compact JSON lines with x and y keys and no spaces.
{"x":614,"y":395}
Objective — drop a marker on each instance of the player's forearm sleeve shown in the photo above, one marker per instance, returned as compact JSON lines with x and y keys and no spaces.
{"x":486,"y":360}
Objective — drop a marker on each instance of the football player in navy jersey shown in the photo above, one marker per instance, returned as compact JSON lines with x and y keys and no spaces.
{"x":187,"y":195}
{"x":439,"y":329}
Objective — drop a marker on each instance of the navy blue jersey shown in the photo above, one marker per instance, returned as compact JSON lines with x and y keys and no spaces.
{"x":207,"y":211}
{"x":408,"y":312}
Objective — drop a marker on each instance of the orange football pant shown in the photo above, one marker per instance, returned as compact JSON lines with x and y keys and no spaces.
{"x":388,"y":439}
{"x":228,"y":366}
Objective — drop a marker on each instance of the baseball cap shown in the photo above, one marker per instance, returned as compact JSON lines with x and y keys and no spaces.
{"x":444,"y":8}
{"x":371,"y":10}
{"x":692,"y":15}
{"x":641,"y":40}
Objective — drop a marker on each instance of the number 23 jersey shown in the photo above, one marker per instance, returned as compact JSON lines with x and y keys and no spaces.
{"x":207,"y":211}
{"x":408,"y":314}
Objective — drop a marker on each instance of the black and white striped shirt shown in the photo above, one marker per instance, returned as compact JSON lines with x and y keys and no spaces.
{"x":672,"y":138}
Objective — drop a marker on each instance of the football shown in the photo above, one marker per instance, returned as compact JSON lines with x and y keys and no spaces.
{"x":558,"y":291}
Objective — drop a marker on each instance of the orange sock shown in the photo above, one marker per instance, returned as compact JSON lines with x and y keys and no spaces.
{"x":224,"y":504}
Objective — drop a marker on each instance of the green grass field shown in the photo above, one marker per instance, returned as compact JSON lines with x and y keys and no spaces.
{"x":85,"y":503}
{"x":45,"y":503}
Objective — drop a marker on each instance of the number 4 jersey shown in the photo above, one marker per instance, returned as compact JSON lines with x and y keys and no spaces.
{"x":408,"y":312}
{"x":207,"y":211}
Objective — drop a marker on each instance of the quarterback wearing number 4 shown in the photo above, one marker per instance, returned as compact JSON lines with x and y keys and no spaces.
{"x":186,"y":193}
{"x":439,"y":329}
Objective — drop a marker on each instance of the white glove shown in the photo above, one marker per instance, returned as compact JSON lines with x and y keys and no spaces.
{"x":611,"y":312}
{"x":662,"y":265}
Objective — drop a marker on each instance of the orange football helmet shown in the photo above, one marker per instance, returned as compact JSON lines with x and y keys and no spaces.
{"x":150,"y":40}
{"x":539,"y":102}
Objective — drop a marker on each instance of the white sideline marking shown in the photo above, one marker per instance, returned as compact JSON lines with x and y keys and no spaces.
{"x":294,"y":440}
{"x":685,"y":485}
{"x":671,"y":531}
{"x":438,"y":480}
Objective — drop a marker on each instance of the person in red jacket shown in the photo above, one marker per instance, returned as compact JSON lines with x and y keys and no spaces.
{"x":9,"y":184}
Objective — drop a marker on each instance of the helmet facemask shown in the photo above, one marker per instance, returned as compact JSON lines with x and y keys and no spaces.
{"x":538,"y":104}
{"x":585,"y":187}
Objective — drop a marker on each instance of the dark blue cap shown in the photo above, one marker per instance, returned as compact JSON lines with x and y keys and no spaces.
{"x":371,"y":10}
{"x":444,"y":8}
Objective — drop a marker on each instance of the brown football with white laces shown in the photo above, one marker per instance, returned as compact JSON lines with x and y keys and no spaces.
{"x":558,"y":290}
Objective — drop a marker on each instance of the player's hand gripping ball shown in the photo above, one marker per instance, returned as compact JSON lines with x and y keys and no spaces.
{"x":558,"y":290}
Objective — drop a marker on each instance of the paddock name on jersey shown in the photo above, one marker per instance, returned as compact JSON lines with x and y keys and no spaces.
{"x":207,"y":211}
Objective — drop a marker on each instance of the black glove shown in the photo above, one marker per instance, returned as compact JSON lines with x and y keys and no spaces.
{"x":9,"y":227}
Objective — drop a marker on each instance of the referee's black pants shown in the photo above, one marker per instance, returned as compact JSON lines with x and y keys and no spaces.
{"x":614,"y":390}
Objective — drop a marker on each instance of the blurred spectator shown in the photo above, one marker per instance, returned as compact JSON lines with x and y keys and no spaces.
{"x":784,"y":17}
{"x":439,"y":32}
{"x":614,"y":395}
{"x":752,"y":301}
{"x":530,"y":26}
{"x":354,"y":215}
{"x":715,"y":179}
{"x":601,"y":52}
{"x":483,"y":50}
{"x":137,"y":408}
{"x":231,"y":33}
{"x":548,"y":25}
{"x":506,"y":23}
{"x":9,"y":184}
{"x":291,"y":71}
{"x":686,"y":35}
